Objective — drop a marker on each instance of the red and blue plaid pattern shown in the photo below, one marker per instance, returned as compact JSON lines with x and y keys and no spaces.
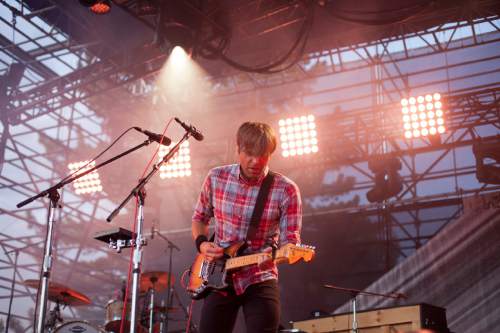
{"x":230,"y":200}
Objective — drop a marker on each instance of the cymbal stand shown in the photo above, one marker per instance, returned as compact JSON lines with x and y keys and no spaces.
{"x":13,"y":285}
{"x":153,"y":280}
{"x":171,"y":246}
{"x":163,"y":315}
{"x":54,"y":317}
{"x":192,"y":328}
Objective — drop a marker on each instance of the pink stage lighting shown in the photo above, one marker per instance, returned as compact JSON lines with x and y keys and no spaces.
{"x":422,"y":116}
{"x":179,"y":165}
{"x":298,"y":136}
{"x":89,"y":183}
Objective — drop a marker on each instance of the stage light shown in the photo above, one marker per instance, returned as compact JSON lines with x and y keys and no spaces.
{"x":425,"y":114}
{"x":487,"y":173}
{"x":179,"y":57}
{"x":97,"y":6}
{"x":388,"y":182}
{"x":298,"y":136}
{"x":89,"y":183}
{"x":181,"y":22}
{"x":180,"y":165}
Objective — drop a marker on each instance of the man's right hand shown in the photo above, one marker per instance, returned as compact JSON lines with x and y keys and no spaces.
{"x":211,"y":251}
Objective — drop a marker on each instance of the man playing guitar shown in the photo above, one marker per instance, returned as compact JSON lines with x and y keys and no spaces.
{"x":229,"y":195}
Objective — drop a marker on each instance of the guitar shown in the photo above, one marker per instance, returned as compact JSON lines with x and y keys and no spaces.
{"x":206,"y":276}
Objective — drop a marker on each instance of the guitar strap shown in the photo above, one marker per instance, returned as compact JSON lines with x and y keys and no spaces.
{"x":260,"y":203}
{"x":258,"y":209}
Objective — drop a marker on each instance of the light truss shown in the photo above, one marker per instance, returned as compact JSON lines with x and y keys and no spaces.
{"x":100,"y":78}
{"x":34,"y":169}
{"x":387,"y":51}
{"x":63,"y":102}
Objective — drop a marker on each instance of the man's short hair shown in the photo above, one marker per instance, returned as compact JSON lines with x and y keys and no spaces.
{"x":256,"y":139}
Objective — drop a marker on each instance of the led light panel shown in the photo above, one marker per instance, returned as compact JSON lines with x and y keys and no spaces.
{"x":89,"y":183}
{"x":422,"y":116}
{"x":298,"y":136}
{"x":179,"y":165}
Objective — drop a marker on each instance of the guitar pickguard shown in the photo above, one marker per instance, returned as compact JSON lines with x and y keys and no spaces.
{"x":213,"y":277}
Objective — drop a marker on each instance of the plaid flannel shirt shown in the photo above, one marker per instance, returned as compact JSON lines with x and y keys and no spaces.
{"x":230,"y":200}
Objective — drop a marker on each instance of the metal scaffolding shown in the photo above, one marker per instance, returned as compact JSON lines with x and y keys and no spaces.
{"x":354,"y":91}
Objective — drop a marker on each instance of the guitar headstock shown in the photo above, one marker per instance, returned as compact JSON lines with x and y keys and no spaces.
{"x":292,"y":253}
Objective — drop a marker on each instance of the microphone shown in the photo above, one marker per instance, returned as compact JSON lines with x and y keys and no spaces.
{"x":154,"y":136}
{"x":191,"y":129}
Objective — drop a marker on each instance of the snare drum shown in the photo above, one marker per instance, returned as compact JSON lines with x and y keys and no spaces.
{"x":77,"y":326}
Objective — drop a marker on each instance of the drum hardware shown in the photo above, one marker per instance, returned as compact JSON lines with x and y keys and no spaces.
{"x":13,"y":285}
{"x":76,"y":326}
{"x":53,"y":318}
{"x":152,"y":282}
{"x":61,"y":295}
{"x":118,"y":238}
{"x":113,"y":316}
{"x":157,"y":280}
{"x":170,"y":280}
{"x":185,"y":310}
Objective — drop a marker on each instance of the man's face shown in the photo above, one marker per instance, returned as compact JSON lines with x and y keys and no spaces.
{"x":253,"y":166}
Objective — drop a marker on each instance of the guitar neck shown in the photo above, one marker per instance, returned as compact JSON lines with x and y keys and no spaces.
{"x":250,"y":259}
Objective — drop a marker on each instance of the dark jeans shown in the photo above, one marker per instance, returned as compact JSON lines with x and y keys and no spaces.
{"x":261,"y":307}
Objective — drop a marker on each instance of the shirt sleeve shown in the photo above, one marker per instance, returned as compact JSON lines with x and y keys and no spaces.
{"x":204,"y":209}
{"x":291,"y":216}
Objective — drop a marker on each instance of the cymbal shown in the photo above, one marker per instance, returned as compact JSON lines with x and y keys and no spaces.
{"x":157,"y":280}
{"x":61,"y":294}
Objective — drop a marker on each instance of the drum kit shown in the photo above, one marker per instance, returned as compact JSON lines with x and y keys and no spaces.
{"x":152,"y":319}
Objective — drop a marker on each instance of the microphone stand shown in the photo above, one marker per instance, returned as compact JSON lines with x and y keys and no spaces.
{"x":54,"y":197}
{"x":192,"y":327}
{"x":354,"y":293}
{"x":138,"y":191}
{"x":170,"y":248}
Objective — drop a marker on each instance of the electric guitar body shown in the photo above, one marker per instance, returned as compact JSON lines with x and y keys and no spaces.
{"x":206,"y":276}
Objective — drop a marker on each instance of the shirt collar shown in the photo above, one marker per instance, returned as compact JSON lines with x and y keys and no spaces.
{"x":241,"y":179}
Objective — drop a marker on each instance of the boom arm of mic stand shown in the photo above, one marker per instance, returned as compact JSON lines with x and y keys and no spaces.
{"x":146,"y":179}
{"x":355,"y":292}
{"x":79,"y":175}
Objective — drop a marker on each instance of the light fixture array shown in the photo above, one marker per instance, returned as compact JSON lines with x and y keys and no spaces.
{"x":179,"y":165}
{"x":89,"y":183}
{"x":422,"y":116}
{"x":298,"y":136}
